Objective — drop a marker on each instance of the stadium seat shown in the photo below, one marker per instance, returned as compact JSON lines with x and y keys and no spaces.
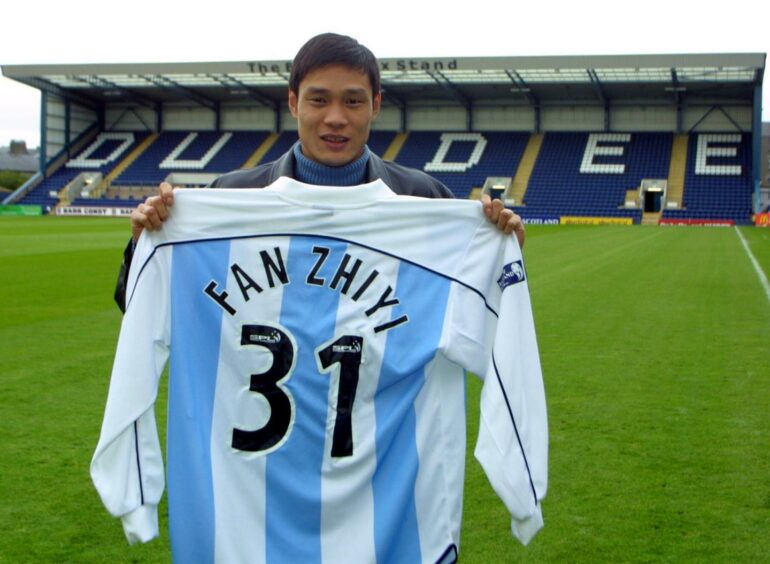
{"x":576,"y":173}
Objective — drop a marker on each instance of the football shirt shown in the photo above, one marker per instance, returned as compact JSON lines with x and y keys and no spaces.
{"x":317,"y":340}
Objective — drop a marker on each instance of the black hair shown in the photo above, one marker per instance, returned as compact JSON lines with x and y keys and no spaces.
{"x":333,"y":49}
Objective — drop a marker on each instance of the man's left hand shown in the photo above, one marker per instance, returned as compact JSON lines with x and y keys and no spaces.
{"x":506,"y":220}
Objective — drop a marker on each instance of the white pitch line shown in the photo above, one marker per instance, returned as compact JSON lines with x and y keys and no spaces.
{"x":760,"y":272}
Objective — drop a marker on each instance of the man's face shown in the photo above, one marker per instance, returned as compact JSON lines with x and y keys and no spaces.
{"x":334,"y":109}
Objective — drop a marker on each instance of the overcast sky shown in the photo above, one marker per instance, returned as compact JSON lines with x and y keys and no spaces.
{"x":80,"y":31}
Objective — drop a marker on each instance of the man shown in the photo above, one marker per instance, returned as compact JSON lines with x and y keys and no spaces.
{"x":334,"y":93}
{"x":316,"y":407}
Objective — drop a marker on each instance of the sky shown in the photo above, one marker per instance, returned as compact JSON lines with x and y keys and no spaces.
{"x":83,"y":32}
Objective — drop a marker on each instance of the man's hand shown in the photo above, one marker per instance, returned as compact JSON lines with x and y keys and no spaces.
{"x":506,"y":220}
{"x":153,"y":212}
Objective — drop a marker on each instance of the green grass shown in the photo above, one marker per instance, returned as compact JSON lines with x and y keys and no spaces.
{"x":655,"y":352}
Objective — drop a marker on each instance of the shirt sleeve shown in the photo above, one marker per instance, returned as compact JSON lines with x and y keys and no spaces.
{"x":125,"y":267}
{"x":512,"y":445}
{"x":127,"y":466}
{"x":494,"y":337}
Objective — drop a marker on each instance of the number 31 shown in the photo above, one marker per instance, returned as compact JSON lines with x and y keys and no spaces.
{"x":344,"y":350}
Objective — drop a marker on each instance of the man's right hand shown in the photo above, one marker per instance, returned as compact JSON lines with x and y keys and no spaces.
{"x":153,"y":212}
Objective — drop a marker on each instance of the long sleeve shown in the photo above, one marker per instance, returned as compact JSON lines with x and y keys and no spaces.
{"x":512,"y":445}
{"x":493,"y":335}
{"x":127,"y":466}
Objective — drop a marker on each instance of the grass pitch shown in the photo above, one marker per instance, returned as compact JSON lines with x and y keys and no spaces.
{"x":655,"y":345}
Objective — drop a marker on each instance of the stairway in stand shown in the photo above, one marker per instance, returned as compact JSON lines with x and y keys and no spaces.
{"x":651,"y":218}
{"x":526,"y":166}
{"x":676,"y":171}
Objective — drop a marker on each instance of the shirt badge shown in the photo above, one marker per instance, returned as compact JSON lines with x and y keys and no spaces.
{"x":513,"y":273}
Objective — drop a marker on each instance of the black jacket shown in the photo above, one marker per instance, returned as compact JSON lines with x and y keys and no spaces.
{"x":402,"y":180}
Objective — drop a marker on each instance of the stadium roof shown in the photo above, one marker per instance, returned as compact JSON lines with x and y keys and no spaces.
{"x":608,"y":79}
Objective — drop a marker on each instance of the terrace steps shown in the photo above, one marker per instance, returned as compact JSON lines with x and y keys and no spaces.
{"x":395,"y":147}
{"x":261,"y":151}
{"x":676,"y":171}
{"x":526,"y":166}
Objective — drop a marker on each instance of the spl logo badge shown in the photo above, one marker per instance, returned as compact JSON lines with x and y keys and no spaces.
{"x":513,"y":273}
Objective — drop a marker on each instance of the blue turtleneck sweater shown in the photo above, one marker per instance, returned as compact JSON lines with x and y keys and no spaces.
{"x":311,"y":172}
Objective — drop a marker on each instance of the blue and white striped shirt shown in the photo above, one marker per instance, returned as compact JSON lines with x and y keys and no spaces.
{"x":317,"y":340}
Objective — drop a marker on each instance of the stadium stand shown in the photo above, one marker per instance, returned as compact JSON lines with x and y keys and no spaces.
{"x":645,"y":138}
{"x":464,"y":160}
{"x":188,"y":151}
{"x":584,"y":174}
{"x":717,"y":181}
{"x":42,"y":194}
{"x":570,"y":173}
{"x":101,"y":155}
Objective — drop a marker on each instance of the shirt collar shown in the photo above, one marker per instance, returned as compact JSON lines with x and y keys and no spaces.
{"x":330,"y":196}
